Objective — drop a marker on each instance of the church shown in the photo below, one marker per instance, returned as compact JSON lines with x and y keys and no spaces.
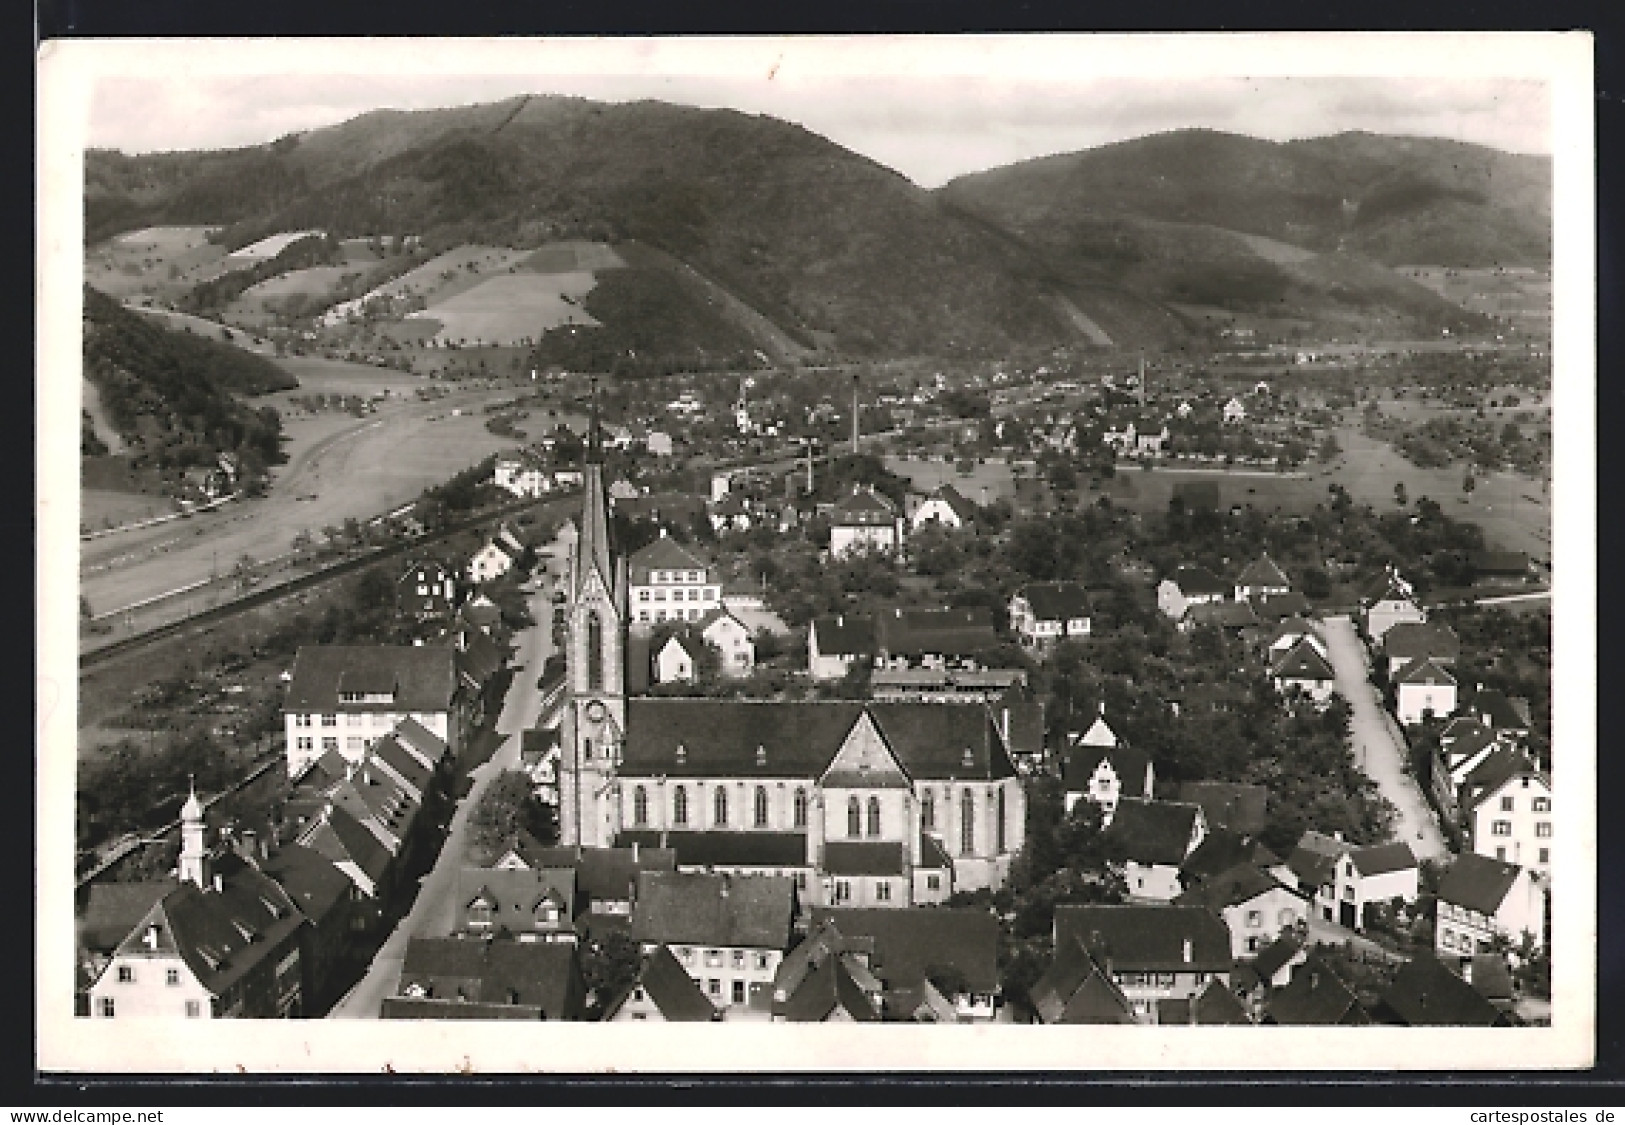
{"x":864,"y":804}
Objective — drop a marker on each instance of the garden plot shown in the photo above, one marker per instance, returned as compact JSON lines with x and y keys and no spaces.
{"x":511,"y":308}
{"x":156,"y":262}
{"x":259,"y":302}
{"x":269,"y":247}
{"x":440,"y":277}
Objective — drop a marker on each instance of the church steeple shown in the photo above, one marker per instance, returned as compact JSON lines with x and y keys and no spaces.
{"x":194,"y":856}
{"x":592,"y":546}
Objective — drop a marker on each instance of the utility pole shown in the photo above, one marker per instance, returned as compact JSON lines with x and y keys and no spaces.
{"x":855,"y":384}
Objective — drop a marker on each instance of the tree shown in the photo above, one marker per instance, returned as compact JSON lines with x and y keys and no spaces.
{"x":1400,"y":496}
{"x":609,"y":965}
{"x":1330,"y":449}
{"x":1468,"y":483}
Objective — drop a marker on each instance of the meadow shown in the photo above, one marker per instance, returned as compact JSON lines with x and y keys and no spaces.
{"x":511,"y":308}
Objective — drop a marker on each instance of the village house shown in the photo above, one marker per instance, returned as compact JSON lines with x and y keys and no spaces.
{"x":675,"y":661}
{"x":1151,"y":952}
{"x":945,"y":506}
{"x":936,"y":965}
{"x":1285,"y":635}
{"x":1507,"y":717}
{"x":865,"y":520}
{"x":343,"y":698}
{"x":1233,"y":806}
{"x":661,"y":993}
{"x":523,"y":474}
{"x":497,"y":557}
{"x":1315,"y":996}
{"x":606,"y":879}
{"x":826,"y":979}
{"x":1043,"y":614}
{"x":1215,"y":1006}
{"x":1153,"y":838}
{"x":1508,"y":812}
{"x":1257,"y":908}
{"x":1188,"y":586}
{"x":458,"y":979}
{"x":426,"y":591}
{"x":526,"y":904}
{"x":1075,"y":989}
{"x":945,"y":685}
{"x":933,"y":638}
{"x":1419,"y":640}
{"x":213,"y":947}
{"x":1270,"y":969}
{"x":1235,"y":412}
{"x":1101,"y":770}
{"x":732,"y":639}
{"x":1343,"y":879}
{"x":1262,"y":578}
{"x":669,"y":581}
{"x":836,"y":644}
{"x":1423,"y":688}
{"x":780,"y":854}
{"x":1425,"y":993}
{"x":1304,"y":668}
{"x":1481,"y":899}
{"x":1390,"y":601}
{"x":728,"y":933}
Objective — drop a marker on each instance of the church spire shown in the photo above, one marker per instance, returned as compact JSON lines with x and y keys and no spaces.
{"x":592,"y":546}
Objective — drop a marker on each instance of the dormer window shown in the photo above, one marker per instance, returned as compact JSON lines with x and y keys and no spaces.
{"x":969,"y":758}
{"x":761,"y":755}
{"x":682,"y":753}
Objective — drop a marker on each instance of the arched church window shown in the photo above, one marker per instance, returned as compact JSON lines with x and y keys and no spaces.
{"x":854,"y":818}
{"x":761,"y":807}
{"x":874,"y":816}
{"x":595,"y":653}
{"x":640,"y":806}
{"x":801,"y":808}
{"x":967,"y":822}
{"x":720,"y":801}
{"x":928,"y":810}
{"x":679,"y":805}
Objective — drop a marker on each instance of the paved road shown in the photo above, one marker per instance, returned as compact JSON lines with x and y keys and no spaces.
{"x":1379,"y":748}
{"x":433,"y":910}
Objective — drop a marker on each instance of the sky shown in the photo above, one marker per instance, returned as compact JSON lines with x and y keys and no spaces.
{"x":930,"y":115}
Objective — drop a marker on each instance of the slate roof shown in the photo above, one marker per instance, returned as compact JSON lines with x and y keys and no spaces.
{"x":665,"y":553}
{"x":1220,"y":850}
{"x":423,"y":676}
{"x":1231,"y":887}
{"x":1056,"y":601}
{"x":935,"y":632}
{"x":863,"y":508}
{"x":861,"y":857}
{"x":1225,"y":804}
{"x":1411,"y":639}
{"x":960,"y":506}
{"x":309,"y":878}
{"x":537,"y":974}
{"x":481,"y":659}
{"x":605,"y":873}
{"x":1198,"y":580}
{"x":845,"y":635}
{"x":1315,"y":996}
{"x":830,"y":985}
{"x":1498,"y":767}
{"x":677,"y":995}
{"x":1490,"y":977}
{"x":1423,"y":670}
{"x":1214,"y":1006}
{"x":753,"y":911}
{"x":1148,"y":938}
{"x":720,"y":738}
{"x":1076,"y":990}
{"x":1263,"y":571}
{"x":1152,"y":831}
{"x":1275,"y":955}
{"x":908,"y":942}
{"x":724,"y":849}
{"x":1302,"y":662}
{"x":112,"y":910}
{"x":514,"y":893}
{"x":1128,"y":763}
{"x":222,"y":935}
{"x":1380,"y":859}
{"x":1478,"y":882}
{"x":933,"y":855}
{"x":1275,"y":607}
{"x":1425,"y":993}
{"x":340,"y":837}
{"x":1503,"y":713}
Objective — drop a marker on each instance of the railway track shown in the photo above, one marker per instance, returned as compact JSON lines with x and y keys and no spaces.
{"x":271,"y":594}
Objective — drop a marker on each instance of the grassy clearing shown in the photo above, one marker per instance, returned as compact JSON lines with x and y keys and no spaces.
{"x":268,"y":247}
{"x":99,"y":508}
{"x":440,"y":278}
{"x":159,"y":262}
{"x":927,"y":476}
{"x":508,"y":309}
{"x":573,"y":257}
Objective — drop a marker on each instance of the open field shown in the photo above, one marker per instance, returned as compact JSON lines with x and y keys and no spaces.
{"x":160,"y":262}
{"x":256,"y":307}
{"x":1522,"y":296}
{"x":336,"y":377}
{"x":442,"y":276}
{"x":268,"y":247}
{"x":927,"y":476}
{"x":1273,"y":250}
{"x":510,"y":308}
{"x":573,"y":257}
{"x":100,"y":508}
{"x":243,"y":338}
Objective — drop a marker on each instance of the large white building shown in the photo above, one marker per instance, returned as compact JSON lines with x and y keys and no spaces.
{"x":343,"y":698}
{"x":671,"y":582}
{"x":864,"y":520}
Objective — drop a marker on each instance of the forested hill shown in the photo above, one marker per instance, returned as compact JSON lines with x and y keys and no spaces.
{"x":172,"y":395}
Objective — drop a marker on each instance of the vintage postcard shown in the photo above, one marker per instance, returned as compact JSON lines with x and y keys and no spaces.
{"x":1053,"y":548}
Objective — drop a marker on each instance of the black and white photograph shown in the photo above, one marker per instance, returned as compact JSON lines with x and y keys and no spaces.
{"x":1085,"y":539}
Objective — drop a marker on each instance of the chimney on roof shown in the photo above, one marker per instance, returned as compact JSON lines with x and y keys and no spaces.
{"x":1338,"y":835}
{"x":1187,"y":951}
{"x":219,"y":883}
{"x":1314,"y":980}
{"x":634,"y":851}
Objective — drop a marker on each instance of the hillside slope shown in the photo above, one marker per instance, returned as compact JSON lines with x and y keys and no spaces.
{"x":171,"y":396}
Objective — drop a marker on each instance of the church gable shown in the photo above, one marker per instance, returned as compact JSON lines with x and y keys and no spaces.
{"x":865,"y":761}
